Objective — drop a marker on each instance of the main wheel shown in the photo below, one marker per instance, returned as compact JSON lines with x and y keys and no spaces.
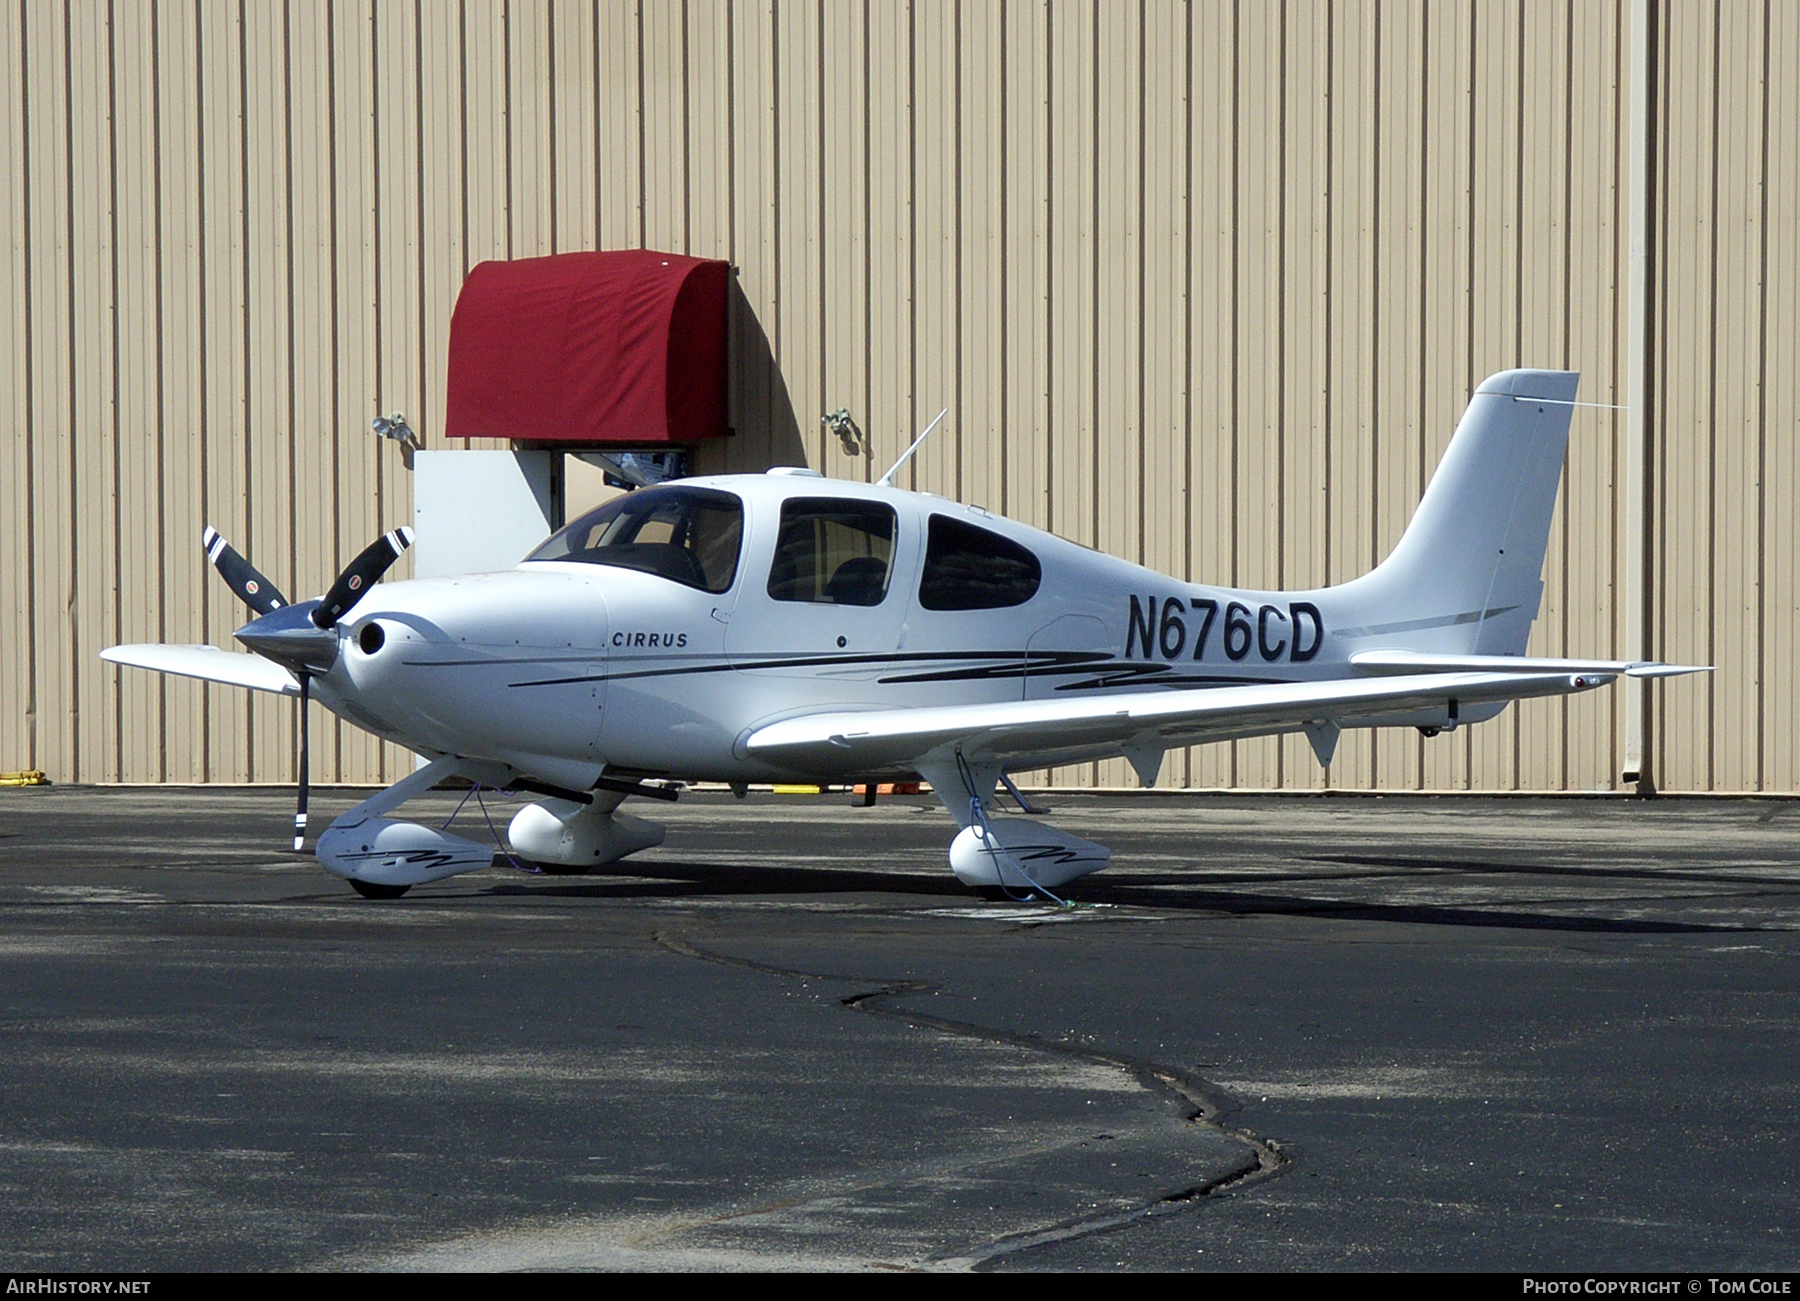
{"x":375,"y":890}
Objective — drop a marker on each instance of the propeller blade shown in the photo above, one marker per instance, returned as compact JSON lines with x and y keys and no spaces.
{"x":240,"y":576}
{"x":360,"y":575}
{"x":300,"y":814}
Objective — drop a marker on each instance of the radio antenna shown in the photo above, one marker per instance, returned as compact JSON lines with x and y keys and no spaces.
{"x":887,"y":480}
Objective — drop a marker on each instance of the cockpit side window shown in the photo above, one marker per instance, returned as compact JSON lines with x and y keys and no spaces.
{"x":970,"y":568}
{"x":690,"y":536}
{"x":833,"y":551}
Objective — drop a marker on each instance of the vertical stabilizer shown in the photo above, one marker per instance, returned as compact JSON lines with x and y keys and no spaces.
{"x":1467,"y":575}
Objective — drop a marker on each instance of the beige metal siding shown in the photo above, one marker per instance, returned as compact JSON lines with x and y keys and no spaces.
{"x":18,"y":706}
{"x":1778,"y":650}
{"x":1205,"y":285}
{"x":1723,"y":427}
{"x":53,"y":550}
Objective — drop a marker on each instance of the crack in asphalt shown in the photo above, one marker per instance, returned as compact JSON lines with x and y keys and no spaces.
{"x":1198,"y":1101}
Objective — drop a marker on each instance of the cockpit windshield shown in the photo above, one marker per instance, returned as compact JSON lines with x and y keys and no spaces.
{"x":688,"y":535}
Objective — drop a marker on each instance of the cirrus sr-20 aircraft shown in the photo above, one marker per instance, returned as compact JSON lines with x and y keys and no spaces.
{"x":785,"y":627}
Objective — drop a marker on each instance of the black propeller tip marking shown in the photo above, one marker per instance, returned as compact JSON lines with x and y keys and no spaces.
{"x":360,"y":575}
{"x":251,"y":587}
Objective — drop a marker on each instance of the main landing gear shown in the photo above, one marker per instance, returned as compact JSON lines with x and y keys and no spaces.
{"x":383,"y":858}
{"x":999,"y":856}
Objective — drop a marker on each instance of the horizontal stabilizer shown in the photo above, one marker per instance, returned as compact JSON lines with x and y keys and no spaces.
{"x":208,"y":663}
{"x":1405,"y":661}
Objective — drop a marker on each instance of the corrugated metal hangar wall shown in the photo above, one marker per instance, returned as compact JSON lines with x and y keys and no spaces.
{"x":1204,"y":285}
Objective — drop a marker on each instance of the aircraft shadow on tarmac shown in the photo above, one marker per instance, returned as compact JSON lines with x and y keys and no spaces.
{"x":711,"y":880}
{"x":1199,"y":892}
{"x":1651,"y":875}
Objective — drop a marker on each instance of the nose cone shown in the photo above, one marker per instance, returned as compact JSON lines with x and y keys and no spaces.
{"x":290,"y":638}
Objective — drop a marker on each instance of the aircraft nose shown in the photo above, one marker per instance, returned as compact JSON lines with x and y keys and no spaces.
{"x":289,"y":637}
{"x":504,"y":612}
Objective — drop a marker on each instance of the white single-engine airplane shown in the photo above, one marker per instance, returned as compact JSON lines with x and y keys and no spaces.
{"x":791,"y":628}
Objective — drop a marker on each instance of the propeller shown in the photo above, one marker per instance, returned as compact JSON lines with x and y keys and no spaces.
{"x":303,"y":637}
{"x":360,"y":575}
{"x":240,"y":575}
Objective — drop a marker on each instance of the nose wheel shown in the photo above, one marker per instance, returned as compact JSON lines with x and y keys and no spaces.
{"x":561,"y":869}
{"x":375,"y":890}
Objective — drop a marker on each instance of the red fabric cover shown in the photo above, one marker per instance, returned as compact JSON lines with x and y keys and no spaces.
{"x":621,"y":347}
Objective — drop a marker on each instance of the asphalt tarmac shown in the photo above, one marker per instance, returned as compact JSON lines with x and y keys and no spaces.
{"x":1278,"y":1034}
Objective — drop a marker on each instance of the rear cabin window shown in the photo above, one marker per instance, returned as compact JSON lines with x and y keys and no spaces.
{"x":969,"y":568}
{"x":833,"y":551}
{"x":689,"y":536}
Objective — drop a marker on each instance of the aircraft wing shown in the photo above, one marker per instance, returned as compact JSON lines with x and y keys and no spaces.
{"x":1035,"y":733}
{"x":209,"y":663}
